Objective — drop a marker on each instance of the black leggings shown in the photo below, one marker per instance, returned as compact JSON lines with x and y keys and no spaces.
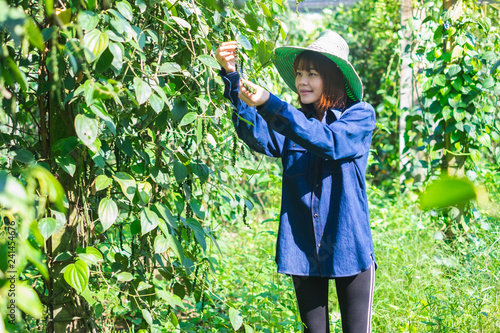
{"x":355,"y":295}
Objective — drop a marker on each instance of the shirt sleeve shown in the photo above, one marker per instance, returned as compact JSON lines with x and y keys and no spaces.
{"x":346,"y":138}
{"x":250,"y":126}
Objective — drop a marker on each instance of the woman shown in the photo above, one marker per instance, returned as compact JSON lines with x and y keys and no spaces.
{"x":324,"y":230}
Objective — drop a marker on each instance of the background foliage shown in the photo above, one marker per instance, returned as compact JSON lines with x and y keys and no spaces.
{"x":127,"y":197}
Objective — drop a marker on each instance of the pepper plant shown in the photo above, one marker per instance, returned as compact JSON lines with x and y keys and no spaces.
{"x":116,"y":153}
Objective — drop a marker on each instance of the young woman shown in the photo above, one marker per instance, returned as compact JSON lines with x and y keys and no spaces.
{"x":324,"y":230}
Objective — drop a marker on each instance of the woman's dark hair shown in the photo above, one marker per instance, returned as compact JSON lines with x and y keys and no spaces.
{"x":334,"y":91}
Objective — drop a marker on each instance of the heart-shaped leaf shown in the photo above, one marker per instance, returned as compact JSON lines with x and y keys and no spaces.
{"x":47,"y":226}
{"x":142,"y":90}
{"x":108,"y":213}
{"x":127,"y":183}
{"x":77,"y":275}
{"x":149,"y":220}
{"x":86,"y":129}
{"x":94,"y":43}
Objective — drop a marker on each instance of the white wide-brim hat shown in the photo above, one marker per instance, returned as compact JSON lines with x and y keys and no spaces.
{"x":329,"y":44}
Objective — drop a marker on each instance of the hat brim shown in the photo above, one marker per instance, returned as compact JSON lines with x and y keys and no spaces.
{"x":284,"y":58}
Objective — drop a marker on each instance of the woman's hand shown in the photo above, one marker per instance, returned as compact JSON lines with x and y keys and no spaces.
{"x":258,"y":97}
{"x":226,"y":56}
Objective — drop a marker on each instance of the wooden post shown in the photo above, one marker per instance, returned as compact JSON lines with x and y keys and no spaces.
{"x":405,"y":83}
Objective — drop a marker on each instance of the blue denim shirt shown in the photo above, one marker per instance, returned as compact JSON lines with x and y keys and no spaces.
{"x":324,"y":222}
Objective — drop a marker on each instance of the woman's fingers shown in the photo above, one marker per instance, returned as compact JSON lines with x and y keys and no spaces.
{"x":226,"y":55}
{"x":252,"y":94}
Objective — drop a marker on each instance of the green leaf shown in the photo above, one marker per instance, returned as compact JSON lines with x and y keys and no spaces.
{"x":156,"y":103}
{"x":102,"y":182}
{"x":143,"y":286}
{"x":142,"y":90}
{"x":199,"y":232}
{"x":145,"y":191}
{"x":116,"y":50}
{"x":244,"y":42}
{"x":12,"y":192}
{"x":50,"y":186}
{"x":188,"y":118}
{"x":104,"y":62}
{"x":88,"y":20}
{"x":209,"y":61}
{"x":67,"y":163}
{"x":181,"y":22}
{"x":235,"y":317}
{"x":459,"y":115}
{"x":488,"y":82}
{"x":265,"y":10}
{"x":166,"y":214}
{"x":180,"y":171}
{"x":447,"y":192}
{"x":161,"y":244}
{"x":86,"y":129}
{"x":149,"y":220}
{"x":125,"y":9}
{"x":439,"y":80}
{"x":34,"y":35}
{"x":94,"y":43}
{"x":49,"y":7}
{"x":108,"y":213}
{"x":77,"y":275}
{"x":27,"y":300}
{"x":147,"y":316}
{"x":169,"y":68}
{"x":127,"y":184}
{"x":454,"y":70}
{"x":47,"y":226}
{"x":172,"y":300}
{"x":485,"y":140}
{"x":248,"y":329}
{"x":91,"y":255}
{"x":124,"y":277}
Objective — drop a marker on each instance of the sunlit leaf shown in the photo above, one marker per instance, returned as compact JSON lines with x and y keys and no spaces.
{"x":27,"y":300}
{"x":124,"y":277}
{"x":161,"y":244}
{"x":142,"y":90}
{"x":235,"y":318}
{"x":147,"y":316}
{"x":125,"y":9}
{"x":127,"y":184}
{"x":244,"y":42}
{"x":47,"y":226}
{"x":108,"y":213}
{"x":188,"y":118}
{"x":77,"y":275}
{"x":209,"y":61}
{"x":91,"y":255}
{"x":181,"y":22}
{"x":86,"y":129}
{"x":447,"y":192}
{"x":94,"y":43}
{"x":102,"y":182}
{"x":169,"y":67}
{"x":67,"y":163}
{"x":149,"y":220}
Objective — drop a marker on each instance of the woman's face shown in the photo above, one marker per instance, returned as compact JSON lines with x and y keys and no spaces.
{"x":309,"y":85}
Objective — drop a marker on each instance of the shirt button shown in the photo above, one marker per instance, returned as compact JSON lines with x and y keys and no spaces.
{"x":319,"y":245}
{"x":315,"y":215}
{"x":294,"y":144}
{"x":317,"y":185}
